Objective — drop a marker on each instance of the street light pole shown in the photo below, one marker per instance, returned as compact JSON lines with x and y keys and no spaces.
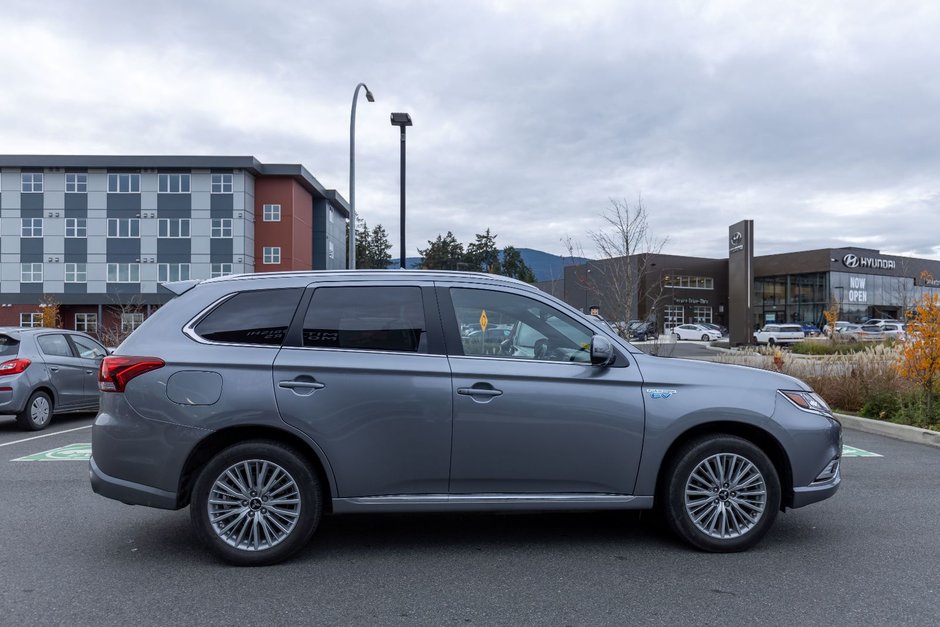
{"x":402,"y":120}
{"x":351,"y":263}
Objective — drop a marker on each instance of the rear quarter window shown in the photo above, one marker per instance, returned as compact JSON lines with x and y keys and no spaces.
{"x":8,"y":346}
{"x":258,"y":317}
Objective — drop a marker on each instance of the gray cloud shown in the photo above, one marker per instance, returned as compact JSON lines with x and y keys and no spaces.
{"x":817,"y":122}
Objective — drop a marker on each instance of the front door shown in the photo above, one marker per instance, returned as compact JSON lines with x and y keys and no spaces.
{"x":531,"y":414}
{"x":91,"y":353}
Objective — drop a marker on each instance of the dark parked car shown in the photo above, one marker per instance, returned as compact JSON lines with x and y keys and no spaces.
{"x":46,"y":372}
{"x":264,"y":401}
{"x":810,"y":329}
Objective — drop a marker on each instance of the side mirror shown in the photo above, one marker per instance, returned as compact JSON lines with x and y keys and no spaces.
{"x":602,"y":351}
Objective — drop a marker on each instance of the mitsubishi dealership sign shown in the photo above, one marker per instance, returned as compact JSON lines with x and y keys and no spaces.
{"x":856,"y":261}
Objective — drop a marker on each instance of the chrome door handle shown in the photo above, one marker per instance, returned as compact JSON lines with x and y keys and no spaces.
{"x":53,"y":368}
{"x":478,"y":392}
{"x":89,"y":372}
{"x":307,"y":385}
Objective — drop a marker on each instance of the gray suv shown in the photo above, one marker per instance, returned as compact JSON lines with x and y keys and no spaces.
{"x":45,"y":372}
{"x":264,"y":401}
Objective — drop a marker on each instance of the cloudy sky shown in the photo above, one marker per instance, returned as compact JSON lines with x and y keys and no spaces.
{"x":819,"y":120}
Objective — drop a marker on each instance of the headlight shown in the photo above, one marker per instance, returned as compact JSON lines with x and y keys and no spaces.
{"x":807,"y":401}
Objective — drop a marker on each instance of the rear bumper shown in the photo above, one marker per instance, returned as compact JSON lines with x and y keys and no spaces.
{"x":129,"y":492}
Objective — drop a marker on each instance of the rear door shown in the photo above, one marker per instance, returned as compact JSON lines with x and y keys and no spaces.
{"x":66,"y":371}
{"x":363,"y":373}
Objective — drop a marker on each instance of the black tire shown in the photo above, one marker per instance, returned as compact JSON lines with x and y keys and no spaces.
{"x":297,"y":471}
{"x":725,"y":504}
{"x":771,"y":342}
{"x":704,"y":337}
{"x":33,"y":417}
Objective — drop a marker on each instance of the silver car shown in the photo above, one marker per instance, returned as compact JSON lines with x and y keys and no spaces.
{"x":263,"y":402}
{"x":47,"y":371}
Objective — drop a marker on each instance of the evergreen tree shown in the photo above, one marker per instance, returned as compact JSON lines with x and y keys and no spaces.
{"x":443,"y":253}
{"x":514,"y":266}
{"x":482,"y":255}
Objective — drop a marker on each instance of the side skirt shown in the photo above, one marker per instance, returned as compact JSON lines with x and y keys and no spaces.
{"x":489,"y":503}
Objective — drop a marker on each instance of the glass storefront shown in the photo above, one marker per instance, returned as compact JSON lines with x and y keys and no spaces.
{"x":791,"y":298}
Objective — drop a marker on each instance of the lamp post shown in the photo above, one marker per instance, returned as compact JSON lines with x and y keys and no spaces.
{"x":351,"y":263}
{"x":403,"y":121}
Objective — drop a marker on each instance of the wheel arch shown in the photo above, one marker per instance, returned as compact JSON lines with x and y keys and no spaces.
{"x":209,"y":446}
{"x":761,"y":438}
{"x":49,"y":391}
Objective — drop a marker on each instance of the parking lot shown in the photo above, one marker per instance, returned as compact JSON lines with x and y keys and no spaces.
{"x":867,"y":556}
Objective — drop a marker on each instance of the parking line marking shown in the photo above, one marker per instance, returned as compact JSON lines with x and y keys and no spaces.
{"x":851,"y":451}
{"x":45,"y":435}
{"x":77,"y":452}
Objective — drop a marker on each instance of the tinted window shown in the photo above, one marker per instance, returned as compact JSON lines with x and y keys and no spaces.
{"x":87,"y":349}
{"x":366,"y":318}
{"x":259,"y":317}
{"x":517,"y":327}
{"x":8,"y":346}
{"x":54,"y":345}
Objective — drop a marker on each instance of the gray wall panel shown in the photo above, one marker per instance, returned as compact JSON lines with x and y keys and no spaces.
{"x":220,"y":250}
{"x":76,"y":250}
{"x":75,"y":288}
{"x":31,"y":201}
{"x":31,"y":249}
{"x":123,"y":250}
{"x":76,"y":205}
{"x":123,"y":288}
{"x":171,"y":250}
{"x":221,"y":205}
{"x":119,"y":205}
{"x":31,"y":288}
{"x":174,"y":205}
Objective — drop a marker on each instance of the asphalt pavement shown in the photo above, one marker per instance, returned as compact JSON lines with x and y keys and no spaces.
{"x":867,"y":556}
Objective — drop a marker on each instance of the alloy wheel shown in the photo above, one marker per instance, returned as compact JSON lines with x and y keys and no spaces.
{"x":725,"y":496}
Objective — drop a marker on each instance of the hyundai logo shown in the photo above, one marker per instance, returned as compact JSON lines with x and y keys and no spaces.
{"x":736,"y":238}
{"x":850,"y":261}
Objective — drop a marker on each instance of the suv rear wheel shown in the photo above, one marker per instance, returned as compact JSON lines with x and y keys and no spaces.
{"x":722,"y":493}
{"x":256,"y":503}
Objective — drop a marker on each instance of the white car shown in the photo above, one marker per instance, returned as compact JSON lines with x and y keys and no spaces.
{"x":695,"y":332}
{"x":773,"y":334}
{"x":894,"y":331}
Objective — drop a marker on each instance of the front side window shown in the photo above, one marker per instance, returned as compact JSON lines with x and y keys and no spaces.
{"x":169,"y":272}
{"x":498,"y":324}
{"x":76,"y":183}
{"x":271,"y":254}
{"x":31,"y":273}
{"x":54,"y":345}
{"x":221,"y":183}
{"x":86,"y":322}
{"x":76,"y":227}
{"x":220,"y":269}
{"x":31,"y":182}
{"x":131,"y":320}
{"x":88,"y":349}
{"x":173,"y":227}
{"x":32,"y":319}
{"x":221,"y":227}
{"x":123,"y":273}
{"x":366,"y":318}
{"x":76,"y":273}
{"x":259,"y":317}
{"x":173,"y":183}
{"x":123,"y":183}
{"x":123,"y":227}
{"x":31,"y":227}
{"x":272,"y":213}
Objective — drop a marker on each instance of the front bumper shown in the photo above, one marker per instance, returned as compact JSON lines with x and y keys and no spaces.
{"x":815,"y":492}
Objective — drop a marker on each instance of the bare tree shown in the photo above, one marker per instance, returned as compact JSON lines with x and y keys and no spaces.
{"x":121,"y":325}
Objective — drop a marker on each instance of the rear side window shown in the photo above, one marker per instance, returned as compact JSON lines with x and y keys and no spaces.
{"x":258,"y":317}
{"x":54,"y":345}
{"x":88,"y":349}
{"x":366,"y":318}
{"x":8,"y":346}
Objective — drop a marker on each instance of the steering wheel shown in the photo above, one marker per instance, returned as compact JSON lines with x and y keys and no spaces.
{"x":541,"y":349}
{"x":506,"y":347}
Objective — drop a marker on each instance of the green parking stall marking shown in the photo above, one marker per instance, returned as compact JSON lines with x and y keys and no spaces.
{"x":851,"y":451}
{"x":78,"y":452}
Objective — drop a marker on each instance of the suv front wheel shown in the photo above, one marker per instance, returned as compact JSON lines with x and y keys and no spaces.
{"x":256,"y":503}
{"x":722,"y":493}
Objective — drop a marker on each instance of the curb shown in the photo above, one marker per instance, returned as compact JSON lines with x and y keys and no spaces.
{"x":891,"y":430}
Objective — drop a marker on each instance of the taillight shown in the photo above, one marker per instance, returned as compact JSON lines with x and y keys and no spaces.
{"x":14,"y":366}
{"x":117,"y":370}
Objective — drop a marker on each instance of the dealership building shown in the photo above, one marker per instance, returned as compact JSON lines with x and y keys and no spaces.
{"x":98,"y":234}
{"x":744,"y":291}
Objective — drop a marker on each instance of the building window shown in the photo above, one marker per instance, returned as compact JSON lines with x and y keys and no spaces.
{"x":169,"y":272}
{"x":124,"y":183}
{"x":123,"y":273}
{"x":689,"y":282}
{"x":330,"y":249}
{"x":33,"y":319}
{"x":221,"y":183}
{"x":272,"y":213}
{"x":220,"y":269}
{"x":86,"y":322}
{"x":130,"y":321}
{"x":32,"y":182}
{"x":271,"y":254}
{"x":31,"y":227}
{"x":173,"y":183}
{"x":176,"y":227}
{"x":76,"y":273}
{"x":76,"y":183}
{"x":121,"y":227}
{"x":30,"y":273}
{"x":76,"y":227}
{"x":329,"y":215}
{"x":673,"y":317}
{"x":702,"y":314}
{"x":221,"y":227}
